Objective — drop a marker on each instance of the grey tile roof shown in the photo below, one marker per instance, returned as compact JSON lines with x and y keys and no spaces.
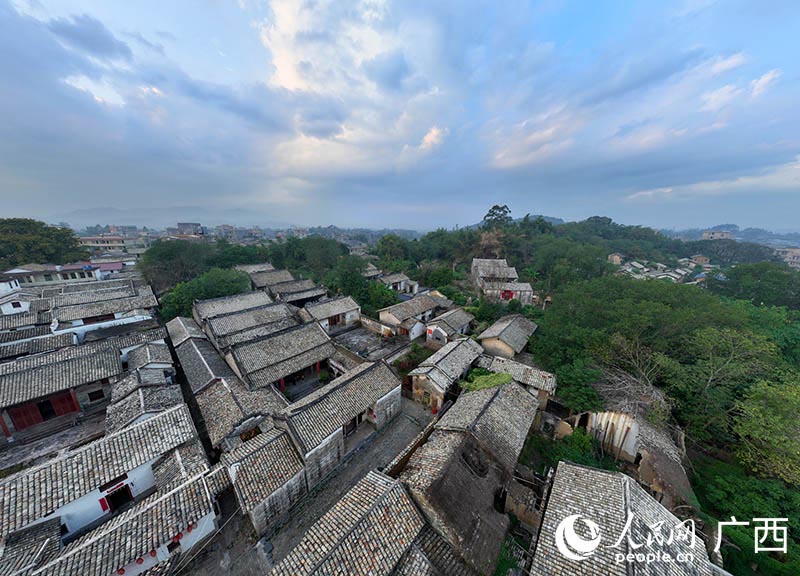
{"x":261,"y":466}
{"x":452,"y":321}
{"x":266,"y":279}
{"x":499,"y":417}
{"x":237,"y":321}
{"x":255,"y":333}
{"x":89,"y":296}
{"x":132,"y":534}
{"x":318,"y":415}
{"x":181,"y":329}
{"x":206,"y":309}
{"x":27,"y":548}
{"x":512,"y":286}
{"x":269,"y":359}
{"x":411,"y":308}
{"x":147,"y":354}
{"x":29,"y":384}
{"x":607,"y":498}
{"x":528,"y":376}
{"x":24,"y":320}
{"x":252,"y":268}
{"x":136,"y":337}
{"x":367,"y":532}
{"x":393,"y":278}
{"x":68,"y":287}
{"x":119,"y":305}
{"x":55,"y":356}
{"x":201,"y":363}
{"x":430,"y":554}
{"x":36,"y":346}
{"x":315,"y":292}
{"x":454,"y":357}
{"x":493,"y":268}
{"x":514,"y":330}
{"x":291,"y":286}
{"x":144,"y":400}
{"x":24,"y":333}
{"x":36,"y":492}
{"x":135,"y":380}
{"x":326,"y":308}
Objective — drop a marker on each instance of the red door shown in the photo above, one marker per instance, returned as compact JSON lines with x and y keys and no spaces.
{"x":63,"y":404}
{"x":25,"y":416}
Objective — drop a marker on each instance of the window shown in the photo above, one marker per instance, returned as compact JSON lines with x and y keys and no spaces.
{"x":96,"y":395}
{"x":48,"y":277}
{"x":46,"y":409}
{"x":16,"y":304}
{"x":119,"y":498}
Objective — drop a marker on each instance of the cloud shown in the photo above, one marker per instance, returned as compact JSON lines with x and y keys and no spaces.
{"x":760,"y":85}
{"x":720,"y":98}
{"x":101,"y":91}
{"x":433,"y":138}
{"x":156,"y":47}
{"x":90,"y":35}
{"x":388,"y":70}
{"x":721,"y":65}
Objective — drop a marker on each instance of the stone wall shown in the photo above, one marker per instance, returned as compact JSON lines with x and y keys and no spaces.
{"x":323,"y":459}
{"x":273,"y":511}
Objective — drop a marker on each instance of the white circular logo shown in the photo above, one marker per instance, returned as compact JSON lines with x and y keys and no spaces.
{"x":571,"y":544}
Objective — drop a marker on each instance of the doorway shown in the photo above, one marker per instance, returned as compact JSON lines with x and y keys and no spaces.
{"x":119,"y":498}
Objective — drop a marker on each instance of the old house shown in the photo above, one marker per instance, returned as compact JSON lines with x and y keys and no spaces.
{"x":264,"y":279}
{"x":232,"y":328}
{"x":400,"y":283}
{"x":268,"y":478}
{"x":45,"y":274}
{"x":322,"y":422}
{"x":470,"y":457}
{"x":371,"y":272}
{"x":253,"y":268}
{"x":508,"y":336}
{"x":204,"y":310}
{"x":148,"y":398}
{"x":409,"y":318}
{"x":538,"y":382}
{"x":14,"y":349}
{"x":609,"y":499}
{"x":616,"y":258}
{"x":335,"y":313}
{"x":436,"y":375}
{"x":375,"y":529}
{"x":492,"y":270}
{"x":46,"y":393}
{"x":292,"y":360}
{"x":700,"y":260}
{"x":507,"y":291}
{"x":297,"y":292}
{"x":81,"y":319}
{"x":448,"y":326}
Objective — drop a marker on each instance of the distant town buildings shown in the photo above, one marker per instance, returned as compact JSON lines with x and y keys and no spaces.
{"x":717,"y":235}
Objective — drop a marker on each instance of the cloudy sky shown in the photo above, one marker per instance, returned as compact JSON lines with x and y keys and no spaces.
{"x":412,"y":114}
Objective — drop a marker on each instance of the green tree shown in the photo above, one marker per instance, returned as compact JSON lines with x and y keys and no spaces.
{"x":497,"y":216}
{"x":26,"y":241}
{"x":212,"y":284}
{"x":167,"y":263}
{"x":380,"y":296}
{"x":392,"y":247}
{"x":769,"y":429}
{"x":763,"y":283}
{"x":346,"y":278}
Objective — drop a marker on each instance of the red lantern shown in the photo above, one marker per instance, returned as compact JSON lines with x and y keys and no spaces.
{"x":153,"y":553}
{"x":190,"y":527}
{"x":140,"y":560}
{"x":121,"y":571}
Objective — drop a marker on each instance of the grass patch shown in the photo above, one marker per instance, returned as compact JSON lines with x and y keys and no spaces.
{"x":541,"y":453}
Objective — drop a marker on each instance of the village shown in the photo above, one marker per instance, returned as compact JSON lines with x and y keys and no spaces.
{"x":281,"y":431}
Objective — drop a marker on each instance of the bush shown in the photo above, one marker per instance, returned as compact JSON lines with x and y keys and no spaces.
{"x":212,"y":284}
{"x":486,"y":381}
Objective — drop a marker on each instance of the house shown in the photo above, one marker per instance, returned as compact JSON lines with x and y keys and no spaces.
{"x":616,"y":258}
{"x":92,"y":484}
{"x":42,"y":274}
{"x":268,"y":478}
{"x":190,"y":228}
{"x":448,"y":326}
{"x":266,"y":278}
{"x":27,"y":347}
{"x":322,"y":422}
{"x":103,"y":243}
{"x":371,"y":272}
{"x":291,"y":359}
{"x":8,"y":283}
{"x":409,"y":318}
{"x":335,"y":313}
{"x":226,"y":330}
{"x":154,"y":356}
{"x":700,"y":260}
{"x":253,"y":268}
{"x":139,"y":396}
{"x":609,"y":499}
{"x":791,"y":256}
{"x":538,"y":382}
{"x":203,"y":310}
{"x":45,"y":393}
{"x":507,"y":291}
{"x":717,"y":235}
{"x":297,"y":292}
{"x":83,"y":318}
{"x":492,"y":270}
{"x":508,"y":336}
{"x":435,"y":376}
{"x":470,"y":458}
{"x":400,"y":283}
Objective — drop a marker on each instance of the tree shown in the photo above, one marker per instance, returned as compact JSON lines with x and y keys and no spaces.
{"x":346,"y":278}
{"x":769,"y":429}
{"x":763,"y":283}
{"x":392,"y":247}
{"x":497,"y":216}
{"x":26,"y":241}
{"x":380,"y":296}
{"x":167,"y":263}
{"x":212,"y":284}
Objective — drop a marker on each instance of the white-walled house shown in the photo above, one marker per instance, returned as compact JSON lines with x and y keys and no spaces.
{"x":409,"y":318}
{"x":335,"y":313}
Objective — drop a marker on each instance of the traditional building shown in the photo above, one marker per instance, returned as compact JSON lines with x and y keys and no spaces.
{"x":237,"y":327}
{"x":297,"y":292}
{"x":266,"y":278}
{"x":335,"y":313}
{"x":436,"y":375}
{"x":253,"y":268}
{"x":408,"y":318}
{"x":448,"y":326}
{"x":538,"y":382}
{"x":204,"y":310}
{"x":508,"y":336}
{"x":44,"y":274}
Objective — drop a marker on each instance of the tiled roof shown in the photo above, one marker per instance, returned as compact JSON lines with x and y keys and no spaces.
{"x":69,"y":287}
{"x":36,"y":346}
{"x":261,"y":466}
{"x":24,"y":334}
{"x":119,"y":305}
{"x":29,"y":384}
{"x":291,"y":286}
{"x":181,"y":329}
{"x":511,"y":286}
{"x":201,"y":363}
{"x":526,"y":375}
{"x":24,"y":320}
{"x":453,"y":358}
{"x":36,"y":492}
{"x":497,"y":268}
{"x":252,"y":268}
{"x":144,"y":400}
{"x":255,"y":333}
{"x":452,"y":321}
{"x":315,"y":292}
{"x":152,"y":523}
{"x":86,"y":297}
{"x":30,"y":546}
{"x":514,"y":330}
{"x":326,"y":308}
{"x":237,"y":321}
{"x":394,"y":278}
{"x":206,"y":309}
{"x":150,"y":353}
{"x":318,"y":415}
{"x":608,"y":498}
{"x":366,"y":532}
{"x":137,"y":337}
{"x":411,"y":308}
{"x":266,"y":279}
{"x":499,"y":417}
{"x":430,"y":554}
{"x":135,"y":380}
{"x":269,"y":359}
{"x":56,"y":356}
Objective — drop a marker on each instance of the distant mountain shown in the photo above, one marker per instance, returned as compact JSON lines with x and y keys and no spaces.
{"x":755,"y":235}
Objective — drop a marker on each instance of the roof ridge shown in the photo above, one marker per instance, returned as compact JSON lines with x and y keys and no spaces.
{"x":240,"y":345}
{"x":247,"y":310}
{"x":334,"y":386}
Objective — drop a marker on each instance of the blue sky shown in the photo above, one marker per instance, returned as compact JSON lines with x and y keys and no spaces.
{"x":411,"y":114}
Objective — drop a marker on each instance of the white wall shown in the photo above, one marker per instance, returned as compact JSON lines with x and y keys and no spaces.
{"x":7,"y":308}
{"x":80,"y":329}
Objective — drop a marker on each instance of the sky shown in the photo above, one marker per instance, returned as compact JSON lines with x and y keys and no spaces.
{"x":402,"y":114}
